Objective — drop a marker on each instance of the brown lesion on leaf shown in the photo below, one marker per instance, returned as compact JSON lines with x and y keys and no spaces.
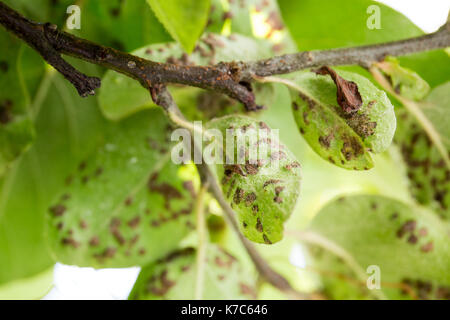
{"x":361,"y":124}
{"x":348,"y":96}
{"x":250,"y":198}
{"x":166,"y":190}
{"x":325,"y":141}
{"x":266,"y":239}
{"x":351,"y":148}
{"x":259,"y":226}
{"x":58,"y":210}
{"x":238,"y":195}
{"x":6,"y":115}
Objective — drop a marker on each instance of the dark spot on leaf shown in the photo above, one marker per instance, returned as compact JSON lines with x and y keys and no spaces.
{"x":83,"y":224}
{"x":271,"y":181}
{"x":58,"y":210}
{"x":5,"y":112}
{"x":427,"y":247}
{"x":250,"y":198}
{"x":4,"y":66}
{"x":238,"y":195}
{"x":133,"y":223}
{"x":259,"y":226}
{"x":94,"y":241}
{"x":278,"y":199}
{"x":128,"y":201}
{"x":412,"y":239}
{"x":325,"y":141}
{"x":266,"y":239}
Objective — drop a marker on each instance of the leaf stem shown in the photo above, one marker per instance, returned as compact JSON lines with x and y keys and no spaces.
{"x":202,"y":246}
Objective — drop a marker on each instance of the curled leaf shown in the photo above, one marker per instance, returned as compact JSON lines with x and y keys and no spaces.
{"x":348,"y":96}
{"x":262,"y":187}
{"x":343,"y":135}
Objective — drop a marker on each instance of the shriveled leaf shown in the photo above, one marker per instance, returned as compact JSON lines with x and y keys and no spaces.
{"x":174,"y":277}
{"x":20,"y":72}
{"x":121,"y":203}
{"x":262,"y":188}
{"x":428,"y":171}
{"x":405,"y":82}
{"x":340,"y":131}
{"x":409,"y":245}
{"x":185,"y":20}
{"x":121,"y":96}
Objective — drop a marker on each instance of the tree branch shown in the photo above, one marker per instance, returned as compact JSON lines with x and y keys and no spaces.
{"x":364,"y":56}
{"x":229,"y":78}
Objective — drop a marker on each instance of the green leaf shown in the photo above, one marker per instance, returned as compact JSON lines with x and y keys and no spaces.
{"x":405,"y":82}
{"x":309,"y":24}
{"x":174,"y":277}
{"x":121,"y":96}
{"x":20,"y":70}
{"x":344,"y":139}
{"x":185,"y":20}
{"x":124,"y":25}
{"x":408,"y":244}
{"x":32,"y":288}
{"x":262,"y":188}
{"x":428,"y":170}
{"x":122,"y":201}
{"x":67,"y":128}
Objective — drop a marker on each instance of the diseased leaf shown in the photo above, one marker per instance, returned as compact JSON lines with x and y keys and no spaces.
{"x":174,"y":277}
{"x":428,"y":171}
{"x":122,"y":202}
{"x":341,"y":137}
{"x":410,"y":246}
{"x":121,"y":96}
{"x":405,"y":82}
{"x":20,"y":71}
{"x":262,"y":188}
{"x":67,"y":128}
{"x":185,"y":20}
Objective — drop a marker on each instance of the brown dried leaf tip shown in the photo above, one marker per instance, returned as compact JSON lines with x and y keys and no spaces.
{"x":348,"y":96}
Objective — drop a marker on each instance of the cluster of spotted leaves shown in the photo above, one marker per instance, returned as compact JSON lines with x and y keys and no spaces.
{"x":174,"y":277}
{"x":428,"y":169}
{"x":409,"y":246}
